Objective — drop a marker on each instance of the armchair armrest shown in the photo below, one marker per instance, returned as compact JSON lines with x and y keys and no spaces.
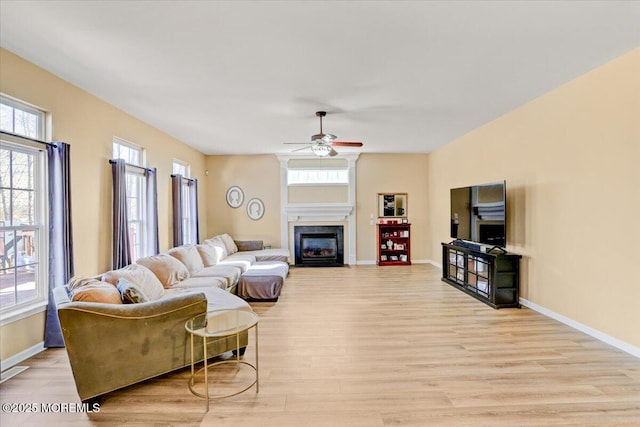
{"x":111,"y":346}
{"x":184,"y":303}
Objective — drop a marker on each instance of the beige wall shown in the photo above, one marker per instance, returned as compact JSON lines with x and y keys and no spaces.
{"x":89,"y":125}
{"x":258,"y":176}
{"x":392,"y":173}
{"x":570,"y":159}
{"x":319,"y":194}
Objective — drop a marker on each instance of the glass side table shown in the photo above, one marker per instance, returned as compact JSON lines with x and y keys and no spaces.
{"x":216,"y":325}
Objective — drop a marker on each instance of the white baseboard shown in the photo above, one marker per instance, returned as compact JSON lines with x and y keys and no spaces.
{"x":413,"y":261}
{"x":435,"y":263}
{"x":621,"y":345}
{"x":366,"y":262}
{"x":22,"y":356}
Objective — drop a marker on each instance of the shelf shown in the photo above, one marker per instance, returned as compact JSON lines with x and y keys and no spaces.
{"x":394,"y":241}
{"x":490,"y":278}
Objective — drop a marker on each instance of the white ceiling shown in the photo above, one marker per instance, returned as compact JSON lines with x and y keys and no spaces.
{"x":244,"y":77}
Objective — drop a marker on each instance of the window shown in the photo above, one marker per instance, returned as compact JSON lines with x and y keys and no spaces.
{"x":317,"y":176}
{"x":21,"y":119}
{"x":181,"y":168}
{"x":136,"y":191}
{"x":188,"y":214}
{"x":23,"y":240}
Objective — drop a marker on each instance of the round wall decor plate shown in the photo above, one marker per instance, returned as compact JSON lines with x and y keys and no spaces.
{"x":235,"y":196}
{"x":255,"y":209}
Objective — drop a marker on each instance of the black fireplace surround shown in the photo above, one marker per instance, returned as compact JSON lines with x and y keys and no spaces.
{"x":319,"y":245}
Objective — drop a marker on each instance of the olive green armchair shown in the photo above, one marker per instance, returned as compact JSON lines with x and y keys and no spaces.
{"x":111,"y":346}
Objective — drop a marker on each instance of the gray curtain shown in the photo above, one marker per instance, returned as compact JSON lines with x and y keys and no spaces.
{"x":121,"y":256}
{"x":121,"y":242}
{"x":193,"y":200}
{"x":178,"y":209}
{"x":176,"y":193}
{"x":60,"y":234}
{"x":153,"y":243}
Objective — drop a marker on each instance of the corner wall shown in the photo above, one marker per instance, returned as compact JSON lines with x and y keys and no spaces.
{"x":392,"y":173}
{"x":257,"y":176}
{"x":571,"y":160}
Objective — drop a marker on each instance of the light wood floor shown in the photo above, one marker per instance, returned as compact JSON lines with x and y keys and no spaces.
{"x":378,"y":346}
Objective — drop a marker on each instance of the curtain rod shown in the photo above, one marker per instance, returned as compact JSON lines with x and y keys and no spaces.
{"x":173,"y":175}
{"x":112,"y":161}
{"x":15,"y":135}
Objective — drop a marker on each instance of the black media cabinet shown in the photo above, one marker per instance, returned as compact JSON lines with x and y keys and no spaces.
{"x":493,"y":278}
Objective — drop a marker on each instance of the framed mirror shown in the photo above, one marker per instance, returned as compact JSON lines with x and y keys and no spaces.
{"x":392,"y":205}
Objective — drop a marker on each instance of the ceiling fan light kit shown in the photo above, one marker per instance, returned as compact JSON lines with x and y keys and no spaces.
{"x":321,"y":150}
{"x":322,"y":143}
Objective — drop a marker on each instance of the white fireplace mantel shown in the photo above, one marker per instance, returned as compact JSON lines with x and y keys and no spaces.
{"x":327,"y":212}
{"x":318,"y":211}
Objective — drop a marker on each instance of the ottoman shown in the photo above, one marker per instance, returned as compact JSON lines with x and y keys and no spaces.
{"x":263,"y":280}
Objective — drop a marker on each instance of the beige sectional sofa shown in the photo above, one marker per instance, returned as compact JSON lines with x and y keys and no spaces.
{"x":112,"y":344}
{"x":263,"y":271}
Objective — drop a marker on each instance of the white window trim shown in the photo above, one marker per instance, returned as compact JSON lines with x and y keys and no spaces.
{"x":129,"y":144}
{"x":137,"y":169}
{"x":28,"y":309}
{"x":29,"y":108}
{"x":318,"y":183}
{"x":185,"y":165}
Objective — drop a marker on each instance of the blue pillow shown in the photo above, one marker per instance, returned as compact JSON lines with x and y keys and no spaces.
{"x":130,"y":293}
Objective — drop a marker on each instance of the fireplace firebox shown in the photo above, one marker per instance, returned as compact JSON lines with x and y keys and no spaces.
{"x":319,"y":246}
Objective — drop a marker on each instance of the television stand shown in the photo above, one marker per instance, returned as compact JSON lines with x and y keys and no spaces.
{"x":493,"y":278}
{"x":497,"y":248}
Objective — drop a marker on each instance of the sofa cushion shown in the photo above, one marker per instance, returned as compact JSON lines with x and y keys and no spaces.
{"x":268,"y":268}
{"x":249,"y":245}
{"x":139,"y":275}
{"x":229,"y":244}
{"x":201,"y":282}
{"x":166,"y":268}
{"x":230,"y":273}
{"x":189,"y":256}
{"x":130,"y":293}
{"x":97,"y":291}
{"x":274,"y":254}
{"x":80,"y":281}
{"x":218,"y":299}
{"x":263,"y":281}
{"x":219,"y":243}
{"x":212,"y":251}
{"x":241,"y":260}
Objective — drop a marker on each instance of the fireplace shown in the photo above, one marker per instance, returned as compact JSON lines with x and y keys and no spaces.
{"x":319,"y":246}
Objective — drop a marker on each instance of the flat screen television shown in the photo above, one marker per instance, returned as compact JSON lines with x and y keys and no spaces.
{"x":479,"y":214}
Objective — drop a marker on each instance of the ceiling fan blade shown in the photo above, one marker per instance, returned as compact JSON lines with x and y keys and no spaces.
{"x":346,"y":144}
{"x":296,"y":143}
{"x":333,"y":152}
{"x":300,"y":149}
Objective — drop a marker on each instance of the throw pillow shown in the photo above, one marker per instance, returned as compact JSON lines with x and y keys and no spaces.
{"x":97,"y":291}
{"x":229,"y":244}
{"x":130,"y":293}
{"x":218,"y":243}
{"x":140,"y":276}
{"x":249,"y":245}
{"x":209,"y":253}
{"x":189,"y":256}
{"x":167,"y":269}
{"x":77,"y":282}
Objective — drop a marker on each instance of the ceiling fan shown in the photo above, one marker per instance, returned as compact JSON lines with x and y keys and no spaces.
{"x":322,"y":143}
